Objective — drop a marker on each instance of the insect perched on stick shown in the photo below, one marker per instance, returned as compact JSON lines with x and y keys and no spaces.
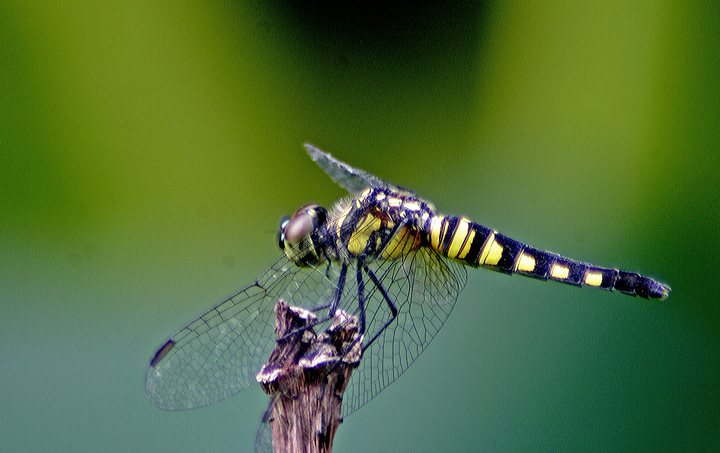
{"x":384,"y":257}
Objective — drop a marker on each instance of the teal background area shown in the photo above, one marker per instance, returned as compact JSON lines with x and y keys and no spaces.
{"x":149,"y":149}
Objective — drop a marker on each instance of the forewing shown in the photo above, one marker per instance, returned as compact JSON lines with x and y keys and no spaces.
{"x":220,"y":353}
{"x":350,"y":178}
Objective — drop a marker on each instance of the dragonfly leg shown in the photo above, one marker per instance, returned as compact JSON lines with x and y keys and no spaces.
{"x":338,"y":290}
{"x":381,"y":288}
{"x":361,"y":294}
{"x":388,"y":301}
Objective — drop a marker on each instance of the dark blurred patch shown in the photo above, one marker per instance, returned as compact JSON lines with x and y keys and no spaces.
{"x":378,"y":76}
{"x":392,"y":32}
{"x":384,"y":26}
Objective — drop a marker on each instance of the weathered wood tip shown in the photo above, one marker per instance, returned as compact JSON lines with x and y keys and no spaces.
{"x":306,"y":375}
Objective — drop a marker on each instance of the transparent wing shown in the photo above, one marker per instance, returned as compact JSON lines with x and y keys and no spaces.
{"x":350,"y":178}
{"x":424,"y":287}
{"x":219,"y":354}
{"x":263,"y":437}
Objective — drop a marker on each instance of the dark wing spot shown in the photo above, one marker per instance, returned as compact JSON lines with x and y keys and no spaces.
{"x":162,"y":352}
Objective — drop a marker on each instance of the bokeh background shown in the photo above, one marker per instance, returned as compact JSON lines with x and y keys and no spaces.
{"x":148,"y":150}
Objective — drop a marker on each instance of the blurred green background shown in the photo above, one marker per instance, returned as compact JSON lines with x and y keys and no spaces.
{"x":148,"y":150}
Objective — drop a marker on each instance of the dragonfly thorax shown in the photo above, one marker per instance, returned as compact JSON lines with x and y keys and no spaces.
{"x":378,"y":223}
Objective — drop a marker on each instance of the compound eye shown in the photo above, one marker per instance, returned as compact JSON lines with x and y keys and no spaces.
{"x":305,"y":221}
{"x":298,"y":228}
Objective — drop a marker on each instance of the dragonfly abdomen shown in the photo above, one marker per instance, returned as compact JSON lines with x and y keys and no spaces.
{"x":475,"y":245}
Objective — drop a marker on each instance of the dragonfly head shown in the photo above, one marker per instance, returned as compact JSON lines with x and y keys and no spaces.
{"x":297,"y":236}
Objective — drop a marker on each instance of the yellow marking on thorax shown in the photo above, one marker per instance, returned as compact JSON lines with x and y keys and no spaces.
{"x":360,"y":237}
{"x":593,"y":278}
{"x":394,"y":202}
{"x":412,"y":205}
{"x":526,"y":263}
{"x":559,"y":271}
{"x":458,"y":238}
{"x":361,"y":198}
{"x":364,"y":195}
{"x":341,"y":219}
{"x":403,"y":241}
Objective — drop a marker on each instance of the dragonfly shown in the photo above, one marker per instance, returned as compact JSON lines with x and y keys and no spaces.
{"x":381,"y":254}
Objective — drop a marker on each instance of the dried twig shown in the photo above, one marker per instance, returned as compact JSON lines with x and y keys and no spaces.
{"x":307,"y":375}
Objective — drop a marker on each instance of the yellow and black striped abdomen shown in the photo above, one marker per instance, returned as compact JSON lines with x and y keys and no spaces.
{"x":475,"y":245}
